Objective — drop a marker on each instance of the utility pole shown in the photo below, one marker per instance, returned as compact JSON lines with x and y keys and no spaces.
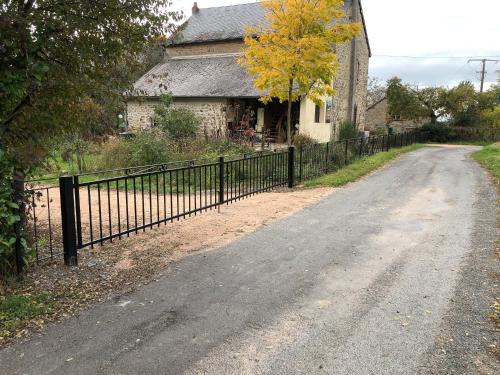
{"x":483,"y":70}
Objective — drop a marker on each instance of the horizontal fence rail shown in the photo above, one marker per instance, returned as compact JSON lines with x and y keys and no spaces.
{"x":80,"y":213}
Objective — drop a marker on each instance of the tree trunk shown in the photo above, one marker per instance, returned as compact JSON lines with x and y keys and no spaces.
{"x":433,"y":118}
{"x":289,"y":117}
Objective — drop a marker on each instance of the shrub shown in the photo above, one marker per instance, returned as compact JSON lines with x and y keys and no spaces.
{"x":379,"y":131}
{"x":7,"y":219}
{"x":147,"y":147}
{"x":303,"y":140}
{"x":439,"y":132}
{"x":180,"y":124}
{"x":347,"y":131}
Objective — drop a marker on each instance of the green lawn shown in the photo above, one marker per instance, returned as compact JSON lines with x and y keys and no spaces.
{"x":360,"y":168}
{"x":489,"y":157}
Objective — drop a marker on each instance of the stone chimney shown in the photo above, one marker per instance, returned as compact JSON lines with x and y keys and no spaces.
{"x":195,"y":8}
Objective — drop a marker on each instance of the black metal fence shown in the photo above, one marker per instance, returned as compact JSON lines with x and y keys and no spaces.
{"x":93,"y":211}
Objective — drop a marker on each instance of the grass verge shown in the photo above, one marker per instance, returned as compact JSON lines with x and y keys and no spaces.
{"x":359,"y":168}
{"x":489,"y":157}
{"x":17,"y":309}
{"x":465,"y":143}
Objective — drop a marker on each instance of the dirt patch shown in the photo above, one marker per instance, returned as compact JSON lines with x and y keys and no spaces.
{"x":123,"y":265}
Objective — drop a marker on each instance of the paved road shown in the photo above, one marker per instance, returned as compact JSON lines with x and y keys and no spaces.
{"x":364,"y":282}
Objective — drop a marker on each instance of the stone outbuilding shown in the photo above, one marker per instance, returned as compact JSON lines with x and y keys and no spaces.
{"x":378,"y":119}
{"x":201,"y":72}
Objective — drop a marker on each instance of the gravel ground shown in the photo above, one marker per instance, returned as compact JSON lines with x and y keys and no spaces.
{"x":376,"y":278}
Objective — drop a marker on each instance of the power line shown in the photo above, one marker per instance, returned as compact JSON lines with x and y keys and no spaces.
{"x":435,"y":57}
{"x":483,"y":70}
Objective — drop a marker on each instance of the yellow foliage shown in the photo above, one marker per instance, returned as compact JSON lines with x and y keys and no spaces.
{"x":492,"y":117}
{"x":293,"y":53}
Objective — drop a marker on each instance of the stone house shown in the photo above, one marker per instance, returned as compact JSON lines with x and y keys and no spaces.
{"x":201,"y":72}
{"x":378,"y":119}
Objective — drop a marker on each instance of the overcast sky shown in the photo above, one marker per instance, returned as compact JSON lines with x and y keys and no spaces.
{"x":426,"y":30}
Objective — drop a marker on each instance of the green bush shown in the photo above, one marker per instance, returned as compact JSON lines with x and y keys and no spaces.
{"x":180,"y":124}
{"x":147,"y":147}
{"x":348,"y":131}
{"x":439,"y":132}
{"x":7,"y":219}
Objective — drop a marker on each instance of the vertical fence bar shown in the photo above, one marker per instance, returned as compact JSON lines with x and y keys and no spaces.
{"x":221,"y":180}
{"x":291,"y":166}
{"x":78,"y":211}
{"x":327,"y":156}
{"x":68,"y":220}
{"x":346,"y":151}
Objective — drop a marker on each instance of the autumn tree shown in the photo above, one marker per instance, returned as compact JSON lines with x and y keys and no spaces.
{"x":292,"y":53}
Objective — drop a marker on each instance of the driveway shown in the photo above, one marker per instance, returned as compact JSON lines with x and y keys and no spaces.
{"x":389,"y":275}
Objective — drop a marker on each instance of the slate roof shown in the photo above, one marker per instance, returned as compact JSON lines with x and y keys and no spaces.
{"x":199,"y":76}
{"x":229,"y":23}
{"x":219,"y":23}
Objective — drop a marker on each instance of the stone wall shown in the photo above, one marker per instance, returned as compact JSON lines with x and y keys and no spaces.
{"x":376,"y":115}
{"x":212,"y":113}
{"x":342,"y":101}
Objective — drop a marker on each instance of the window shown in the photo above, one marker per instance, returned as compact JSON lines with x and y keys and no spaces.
{"x":317,"y":113}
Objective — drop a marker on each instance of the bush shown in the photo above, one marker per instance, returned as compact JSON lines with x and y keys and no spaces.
{"x":303,"y":140}
{"x":7,"y":219}
{"x":180,"y":124}
{"x":147,"y":147}
{"x":379,"y":131}
{"x":439,"y":132}
{"x":348,"y":131}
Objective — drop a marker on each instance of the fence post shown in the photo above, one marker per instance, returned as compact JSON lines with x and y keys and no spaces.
{"x":327,"y":156}
{"x":346,"y":151}
{"x":301,"y":157}
{"x":291,"y":166}
{"x":68,"y":220}
{"x":221,"y":180}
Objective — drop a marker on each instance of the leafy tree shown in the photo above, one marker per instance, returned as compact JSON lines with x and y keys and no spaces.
{"x":402,"y":100}
{"x":64,"y":65}
{"x":411,"y":103}
{"x":376,"y":91}
{"x":292,"y":54}
{"x":59,"y":56}
{"x":432,"y":101}
{"x":466,"y":107}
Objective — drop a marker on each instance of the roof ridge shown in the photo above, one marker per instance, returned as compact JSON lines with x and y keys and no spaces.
{"x":207,"y":56}
{"x":232,"y":5}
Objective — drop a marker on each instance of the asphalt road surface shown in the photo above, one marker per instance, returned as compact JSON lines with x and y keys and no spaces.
{"x":388,"y":275}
